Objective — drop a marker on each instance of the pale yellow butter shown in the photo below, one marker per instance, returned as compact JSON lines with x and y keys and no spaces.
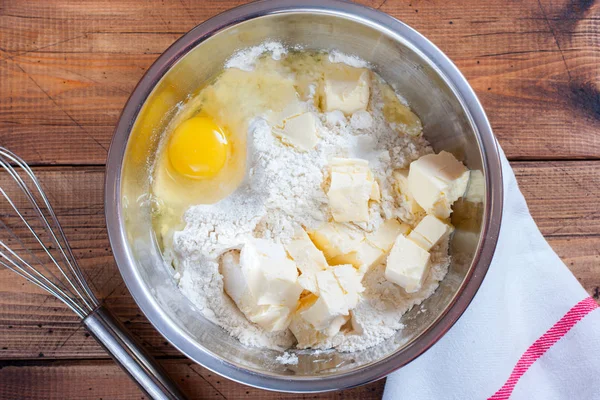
{"x":304,"y":252}
{"x":363,"y":258}
{"x":349,"y":280}
{"x":436,"y":181}
{"x":324,"y":315}
{"x":339,"y":292}
{"x":430,"y":231}
{"x":407,"y":264}
{"x":335,"y":239}
{"x":272,"y":318}
{"x":346,"y":90}
{"x":352,"y":186}
{"x":384,"y":237}
{"x":293,"y":109}
{"x":401,"y":180}
{"x":263,"y":282}
{"x":309,"y":259}
{"x":476,"y":190}
{"x":374,"y":248}
{"x":305,"y":333}
{"x":299,"y":131}
{"x":375,"y":191}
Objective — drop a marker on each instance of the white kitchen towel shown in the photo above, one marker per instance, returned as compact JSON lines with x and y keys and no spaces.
{"x":531,"y":332}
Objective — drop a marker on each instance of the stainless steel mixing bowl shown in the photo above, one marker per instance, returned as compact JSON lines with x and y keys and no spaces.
{"x":453,"y":120}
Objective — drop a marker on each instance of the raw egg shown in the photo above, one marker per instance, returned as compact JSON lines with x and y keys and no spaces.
{"x":198,"y":148}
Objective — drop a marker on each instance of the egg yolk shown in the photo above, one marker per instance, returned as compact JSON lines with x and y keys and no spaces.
{"x":198,"y":148}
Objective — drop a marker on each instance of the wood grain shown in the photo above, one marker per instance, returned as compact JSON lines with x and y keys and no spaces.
{"x":561,"y":196}
{"x":80,"y":380}
{"x":67,"y":66}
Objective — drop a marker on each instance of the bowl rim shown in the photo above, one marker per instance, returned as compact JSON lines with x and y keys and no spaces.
{"x":481,"y":260}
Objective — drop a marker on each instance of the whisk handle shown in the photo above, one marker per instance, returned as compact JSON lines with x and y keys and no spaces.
{"x":130,"y":355}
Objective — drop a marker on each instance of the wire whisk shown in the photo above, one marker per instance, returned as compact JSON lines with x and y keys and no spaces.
{"x":71,"y":287}
{"x":34,"y":246}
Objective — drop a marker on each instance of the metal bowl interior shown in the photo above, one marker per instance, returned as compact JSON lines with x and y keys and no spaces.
{"x":453,"y":120}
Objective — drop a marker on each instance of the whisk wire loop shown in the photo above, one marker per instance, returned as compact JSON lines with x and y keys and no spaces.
{"x":22,"y":255}
{"x":73,"y":289}
{"x":37,"y":278}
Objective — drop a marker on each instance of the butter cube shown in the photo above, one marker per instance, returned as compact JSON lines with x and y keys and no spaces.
{"x":401,"y":181}
{"x":363,"y":258}
{"x":385,"y":236}
{"x":375,"y":192}
{"x":335,"y":325}
{"x":303,"y":251}
{"x":299,"y":131}
{"x":292,"y":109}
{"x":305,"y":333}
{"x":263,"y":282}
{"x":352,"y":186}
{"x":476,"y":190}
{"x":407,"y":264}
{"x":272,"y":276}
{"x":324,"y":315}
{"x":272,"y":318}
{"x":374,"y":248}
{"x":349,"y":280}
{"x":335,"y":239}
{"x":436,"y":181}
{"x":308,"y":258}
{"x":308,"y":282}
{"x":430,"y":231}
{"x":346,"y":90}
{"x":357,"y":326}
{"x":234,"y":282}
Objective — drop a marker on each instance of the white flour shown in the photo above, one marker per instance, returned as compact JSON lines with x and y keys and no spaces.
{"x":245,"y":59}
{"x":287,"y":359}
{"x":284,"y":188}
{"x":353,"y":61}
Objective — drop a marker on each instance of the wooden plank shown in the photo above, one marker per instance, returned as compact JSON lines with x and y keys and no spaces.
{"x":582,"y":256}
{"x":562,"y":198}
{"x":539,"y":108}
{"x":62,"y":109}
{"x":69,"y":86}
{"x":64,"y":380}
{"x":73,"y":65}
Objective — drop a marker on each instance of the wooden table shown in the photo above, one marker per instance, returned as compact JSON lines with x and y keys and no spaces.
{"x":67,"y":68}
